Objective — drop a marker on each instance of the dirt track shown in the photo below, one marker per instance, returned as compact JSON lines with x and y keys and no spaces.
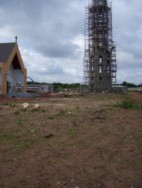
{"x":82,"y":142}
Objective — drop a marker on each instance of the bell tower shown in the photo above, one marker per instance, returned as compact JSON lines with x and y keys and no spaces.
{"x":100,"y":51}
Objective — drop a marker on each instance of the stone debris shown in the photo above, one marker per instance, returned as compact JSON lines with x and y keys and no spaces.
{"x":36,"y":107}
{"x":26,"y":106}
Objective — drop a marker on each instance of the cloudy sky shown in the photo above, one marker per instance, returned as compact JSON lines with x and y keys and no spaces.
{"x":51,"y":37}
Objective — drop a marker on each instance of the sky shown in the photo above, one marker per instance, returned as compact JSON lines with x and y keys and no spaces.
{"x":51,"y":37}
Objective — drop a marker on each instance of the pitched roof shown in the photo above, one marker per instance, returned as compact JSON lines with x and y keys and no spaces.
{"x":5,"y":50}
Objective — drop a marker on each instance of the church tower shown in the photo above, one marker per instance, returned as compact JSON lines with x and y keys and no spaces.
{"x":100,"y":51}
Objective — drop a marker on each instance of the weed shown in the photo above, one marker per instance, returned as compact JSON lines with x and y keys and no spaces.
{"x":15,"y":142}
{"x":72,"y":132}
{"x":6,"y":136}
{"x":22,"y":144}
{"x":34,"y":130}
{"x":128,"y":104}
{"x":77,"y":108}
{"x":51,"y":117}
{"x":62,"y":111}
{"x":17,"y":112}
{"x":43,"y":110}
{"x":5,"y":103}
{"x":12,"y":105}
{"x":83,"y":144}
{"x":19,"y":122}
{"x":104,"y":131}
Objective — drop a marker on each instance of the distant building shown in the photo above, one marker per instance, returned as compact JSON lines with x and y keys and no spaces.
{"x":13,"y":74}
{"x":40,"y":88}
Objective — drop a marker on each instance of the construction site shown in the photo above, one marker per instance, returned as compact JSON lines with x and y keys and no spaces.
{"x":62,"y":136}
{"x":100,"y":51}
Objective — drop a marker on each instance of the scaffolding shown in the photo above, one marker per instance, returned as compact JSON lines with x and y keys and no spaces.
{"x":100,"y":51}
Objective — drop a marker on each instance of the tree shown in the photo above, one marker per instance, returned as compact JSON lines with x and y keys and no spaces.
{"x":127,"y":84}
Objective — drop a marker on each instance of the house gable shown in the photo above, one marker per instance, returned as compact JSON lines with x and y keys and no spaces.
{"x":12,"y":67}
{"x":15,"y":59}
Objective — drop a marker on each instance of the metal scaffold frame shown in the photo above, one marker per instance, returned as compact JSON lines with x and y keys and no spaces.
{"x":100,"y":52}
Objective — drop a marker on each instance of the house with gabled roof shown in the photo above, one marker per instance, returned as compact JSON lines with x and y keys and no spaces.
{"x":13,"y":74}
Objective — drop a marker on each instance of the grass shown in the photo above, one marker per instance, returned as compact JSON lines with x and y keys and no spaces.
{"x":17,"y":112}
{"x":19,"y":122}
{"x":17,"y":143}
{"x":6,"y":137}
{"x":23,"y":144}
{"x":129,"y":104}
{"x":72,"y":132}
{"x":104,"y":131}
{"x":62,"y":112}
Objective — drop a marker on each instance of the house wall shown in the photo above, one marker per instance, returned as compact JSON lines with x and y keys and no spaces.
{"x":14,"y":78}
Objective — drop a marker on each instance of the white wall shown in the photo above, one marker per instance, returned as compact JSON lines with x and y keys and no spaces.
{"x":14,"y":76}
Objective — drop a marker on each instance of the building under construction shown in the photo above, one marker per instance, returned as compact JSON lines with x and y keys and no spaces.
{"x":100,"y":51}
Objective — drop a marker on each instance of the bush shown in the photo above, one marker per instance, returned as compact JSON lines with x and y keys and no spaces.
{"x":129,"y":104}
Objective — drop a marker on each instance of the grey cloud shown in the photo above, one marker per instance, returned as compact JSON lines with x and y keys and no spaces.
{"x":50,"y":21}
{"x":55,"y":69}
{"x":57,"y":49}
{"x":48,"y":27}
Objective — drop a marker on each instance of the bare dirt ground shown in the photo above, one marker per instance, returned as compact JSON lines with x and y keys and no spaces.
{"x":78,"y":142}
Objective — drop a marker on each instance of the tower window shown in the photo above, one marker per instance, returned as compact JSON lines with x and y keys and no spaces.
{"x":108,"y":69}
{"x":100,"y":69}
{"x":100,"y":78}
{"x":100,"y":60}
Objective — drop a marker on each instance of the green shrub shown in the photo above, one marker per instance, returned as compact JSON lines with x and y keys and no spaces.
{"x":128,"y":104}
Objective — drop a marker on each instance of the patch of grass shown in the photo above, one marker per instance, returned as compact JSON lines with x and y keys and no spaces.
{"x":43,"y":110}
{"x":77,"y":108}
{"x":34,"y":130}
{"x":19,"y":122}
{"x":83,"y":144}
{"x":5,"y":103}
{"x":104,"y":131}
{"x":62,"y":111}
{"x":23,"y":144}
{"x":129,"y":104}
{"x":17,"y":112}
{"x":51,"y":117}
{"x":17,"y":143}
{"x":12,"y":105}
{"x":72,"y":132}
{"x":6,"y":137}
